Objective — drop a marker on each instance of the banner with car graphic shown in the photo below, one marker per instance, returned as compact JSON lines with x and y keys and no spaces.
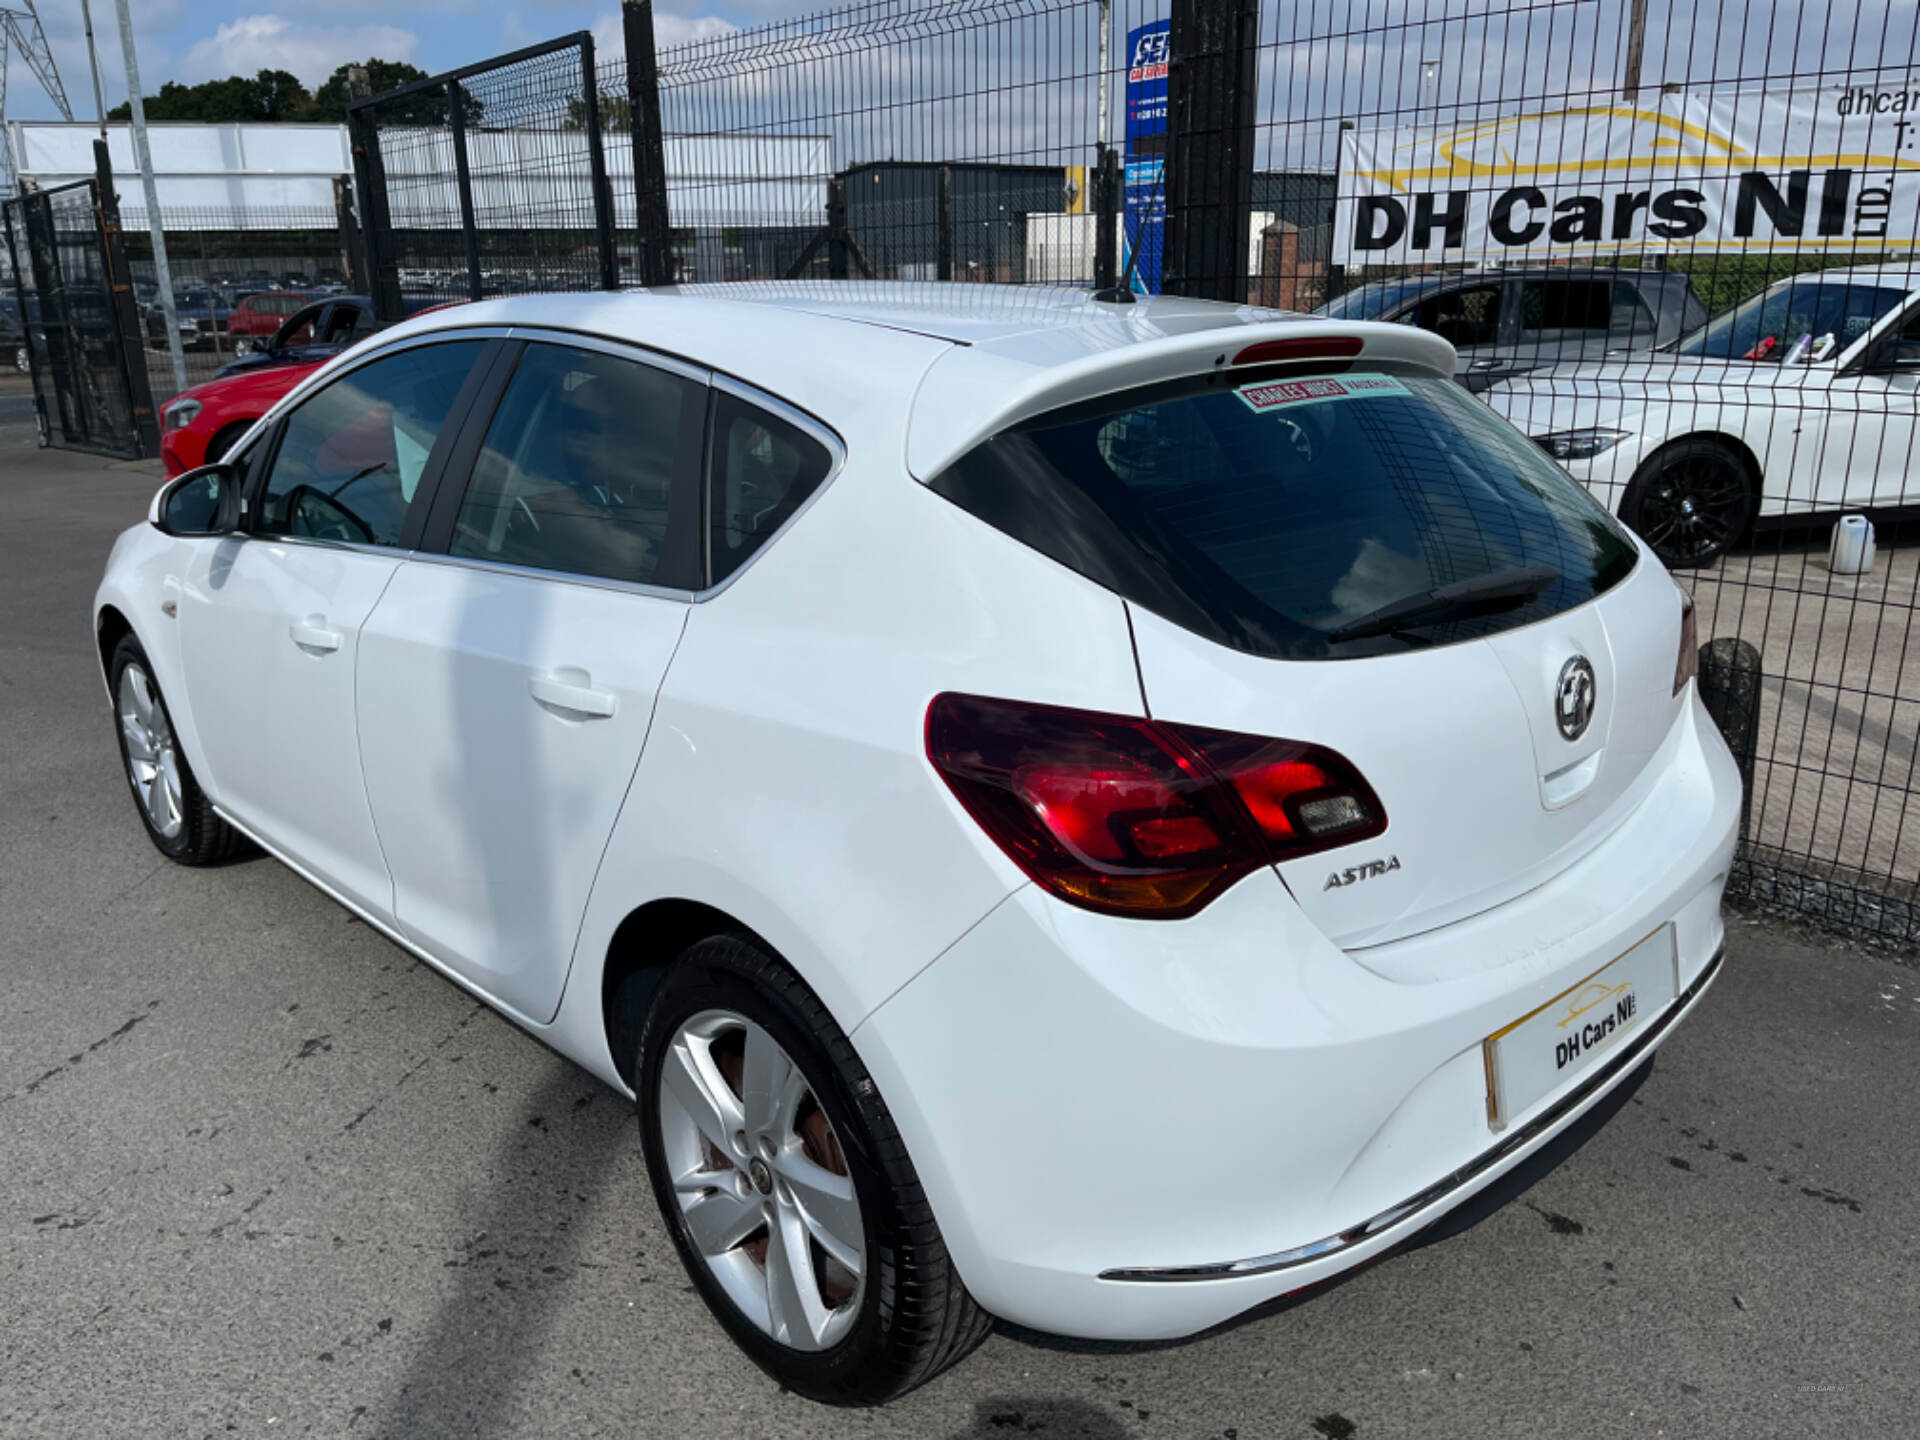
{"x":1828,"y":167}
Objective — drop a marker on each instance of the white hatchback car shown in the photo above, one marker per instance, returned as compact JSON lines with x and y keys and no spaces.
{"x":1800,"y":401}
{"x":1097,"y":815}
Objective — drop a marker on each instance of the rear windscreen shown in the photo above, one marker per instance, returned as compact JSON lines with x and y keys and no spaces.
{"x":1281,"y":516}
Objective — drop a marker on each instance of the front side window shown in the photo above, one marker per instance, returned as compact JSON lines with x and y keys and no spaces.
{"x":350,"y":462}
{"x":763,"y":469}
{"x":1282,"y":517}
{"x":580,"y":464}
{"x":1797,"y":320}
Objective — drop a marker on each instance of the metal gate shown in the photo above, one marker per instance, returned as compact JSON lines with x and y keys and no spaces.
{"x":63,"y":272}
{"x":485,"y":179}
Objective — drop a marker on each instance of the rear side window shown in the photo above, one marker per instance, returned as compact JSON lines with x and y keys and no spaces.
{"x":1565,"y":309}
{"x":579,"y":465}
{"x":1461,"y":317}
{"x":1272,"y":516}
{"x":762,"y":470}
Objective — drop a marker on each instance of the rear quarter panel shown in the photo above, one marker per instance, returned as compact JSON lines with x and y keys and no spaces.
{"x":785,"y":781}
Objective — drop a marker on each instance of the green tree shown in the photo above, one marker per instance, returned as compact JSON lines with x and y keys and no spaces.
{"x":271,"y":95}
{"x":331,"y":99}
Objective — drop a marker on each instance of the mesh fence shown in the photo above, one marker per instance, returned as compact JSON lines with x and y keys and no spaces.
{"x":1669,"y":243}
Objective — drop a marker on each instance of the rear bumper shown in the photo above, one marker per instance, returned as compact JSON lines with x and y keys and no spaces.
{"x":1132,"y":1130}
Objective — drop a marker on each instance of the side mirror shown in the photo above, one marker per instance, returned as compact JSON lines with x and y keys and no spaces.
{"x":201,"y":502}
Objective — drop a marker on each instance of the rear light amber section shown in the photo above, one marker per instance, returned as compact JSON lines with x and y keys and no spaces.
{"x":1688,"y":664}
{"x":1137,"y":817}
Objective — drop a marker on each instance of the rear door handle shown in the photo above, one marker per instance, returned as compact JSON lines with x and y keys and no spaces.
{"x":571,"y":696}
{"x":312,"y":634}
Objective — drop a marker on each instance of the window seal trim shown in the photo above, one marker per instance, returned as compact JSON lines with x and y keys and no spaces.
{"x":564,"y":577}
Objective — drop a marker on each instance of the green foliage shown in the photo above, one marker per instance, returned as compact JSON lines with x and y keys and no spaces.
{"x":331,"y":99}
{"x":272,"y":95}
{"x":276,"y":96}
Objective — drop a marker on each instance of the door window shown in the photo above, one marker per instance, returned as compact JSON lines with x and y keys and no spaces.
{"x":763,"y":470}
{"x":351,"y":459}
{"x":1462,"y":317}
{"x":1565,"y":309}
{"x":578,"y":465}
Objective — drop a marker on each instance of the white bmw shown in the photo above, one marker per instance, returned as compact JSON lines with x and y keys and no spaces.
{"x":1096,"y":815}
{"x":1800,"y":401}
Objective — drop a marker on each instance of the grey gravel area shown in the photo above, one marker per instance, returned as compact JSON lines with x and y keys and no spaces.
{"x":262,"y":1174}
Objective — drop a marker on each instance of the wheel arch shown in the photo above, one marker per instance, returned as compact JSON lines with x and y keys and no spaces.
{"x":647,"y":940}
{"x":1725,"y":440}
{"x":110,"y":627}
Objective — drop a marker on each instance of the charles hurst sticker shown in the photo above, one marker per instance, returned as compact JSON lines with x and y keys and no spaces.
{"x":1279,"y":394}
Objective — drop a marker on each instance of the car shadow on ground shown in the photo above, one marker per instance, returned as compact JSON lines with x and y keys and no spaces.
{"x":1496,"y":1197}
{"x":515,"y":1260}
{"x":1000,"y":1416}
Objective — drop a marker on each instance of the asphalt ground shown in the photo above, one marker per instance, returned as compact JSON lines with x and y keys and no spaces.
{"x":262,"y":1174}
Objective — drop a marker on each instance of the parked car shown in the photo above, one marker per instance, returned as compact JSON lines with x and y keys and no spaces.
{"x":154,"y":322}
{"x":13,"y":342}
{"x":849,"y":721}
{"x":200,"y":424}
{"x":1799,"y":402}
{"x":258,"y":315}
{"x":1507,"y":322}
{"x":314,"y":332}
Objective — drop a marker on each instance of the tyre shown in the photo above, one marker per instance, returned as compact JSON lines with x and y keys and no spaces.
{"x":1692,"y":502}
{"x":786,"y":1187}
{"x":180,"y":820}
{"x":224,"y":439}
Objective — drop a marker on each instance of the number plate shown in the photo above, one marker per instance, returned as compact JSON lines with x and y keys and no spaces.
{"x":1538,"y":1053}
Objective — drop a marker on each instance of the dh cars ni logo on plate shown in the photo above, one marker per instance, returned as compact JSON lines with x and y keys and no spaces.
{"x":1573,"y":698}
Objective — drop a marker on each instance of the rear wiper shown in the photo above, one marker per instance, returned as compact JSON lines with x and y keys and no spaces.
{"x":1482,"y":595}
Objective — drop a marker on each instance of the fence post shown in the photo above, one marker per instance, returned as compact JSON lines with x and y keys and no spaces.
{"x":1211,"y":95}
{"x":597,"y":169}
{"x":370,"y":176}
{"x":352,"y":258}
{"x":463,"y":184}
{"x":652,"y":235}
{"x":34,"y":361}
{"x":943,"y":242}
{"x":128,"y":330}
{"x":837,"y":228}
{"x":1106,"y":212}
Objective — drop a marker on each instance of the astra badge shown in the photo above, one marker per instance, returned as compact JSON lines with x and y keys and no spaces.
{"x":1354,"y":874}
{"x":1573,"y":698}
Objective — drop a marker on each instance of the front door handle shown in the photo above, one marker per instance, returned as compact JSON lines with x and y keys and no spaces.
{"x":1486,"y":365}
{"x":312,"y":634}
{"x":570,"y":692}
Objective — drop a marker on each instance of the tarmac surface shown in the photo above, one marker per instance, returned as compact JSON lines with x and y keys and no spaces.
{"x":263,"y":1174}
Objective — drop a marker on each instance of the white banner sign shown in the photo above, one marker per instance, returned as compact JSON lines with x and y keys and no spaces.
{"x":1816,"y":168}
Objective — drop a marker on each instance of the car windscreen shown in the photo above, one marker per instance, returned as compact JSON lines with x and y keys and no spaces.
{"x":1798,"y":320}
{"x":1282,"y":516}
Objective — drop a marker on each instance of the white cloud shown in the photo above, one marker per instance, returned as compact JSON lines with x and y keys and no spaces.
{"x":273,"y":42}
{"x":609,"y":39}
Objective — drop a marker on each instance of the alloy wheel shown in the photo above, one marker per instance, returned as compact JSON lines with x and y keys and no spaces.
{"x":1694,"y":509}
{"x":153,"y":761}
{"x":762,"y":1183}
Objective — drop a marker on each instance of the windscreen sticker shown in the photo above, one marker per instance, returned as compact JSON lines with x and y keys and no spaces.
{"x":1279,"y":394}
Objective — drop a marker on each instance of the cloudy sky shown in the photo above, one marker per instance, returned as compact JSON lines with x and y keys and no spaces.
{"x":194,"y":40}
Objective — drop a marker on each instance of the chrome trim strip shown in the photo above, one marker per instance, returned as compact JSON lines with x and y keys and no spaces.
{"x":558,"y":577}
{"x":1440,"y":1189}
{"x":635,"y":350}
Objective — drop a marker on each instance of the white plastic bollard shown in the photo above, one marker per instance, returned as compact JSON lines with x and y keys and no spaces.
{"x":1851,"y":552}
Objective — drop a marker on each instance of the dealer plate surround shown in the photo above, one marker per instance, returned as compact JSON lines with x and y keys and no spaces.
{"x":1548,"y":1046}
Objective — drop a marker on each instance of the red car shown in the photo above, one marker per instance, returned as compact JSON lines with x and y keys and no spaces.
{"x":202,"y":423}
{"x":259,"y":315}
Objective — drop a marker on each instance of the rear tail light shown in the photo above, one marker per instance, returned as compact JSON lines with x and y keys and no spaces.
{"x":1688,"y":664}
{"x":1138,"y":817}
